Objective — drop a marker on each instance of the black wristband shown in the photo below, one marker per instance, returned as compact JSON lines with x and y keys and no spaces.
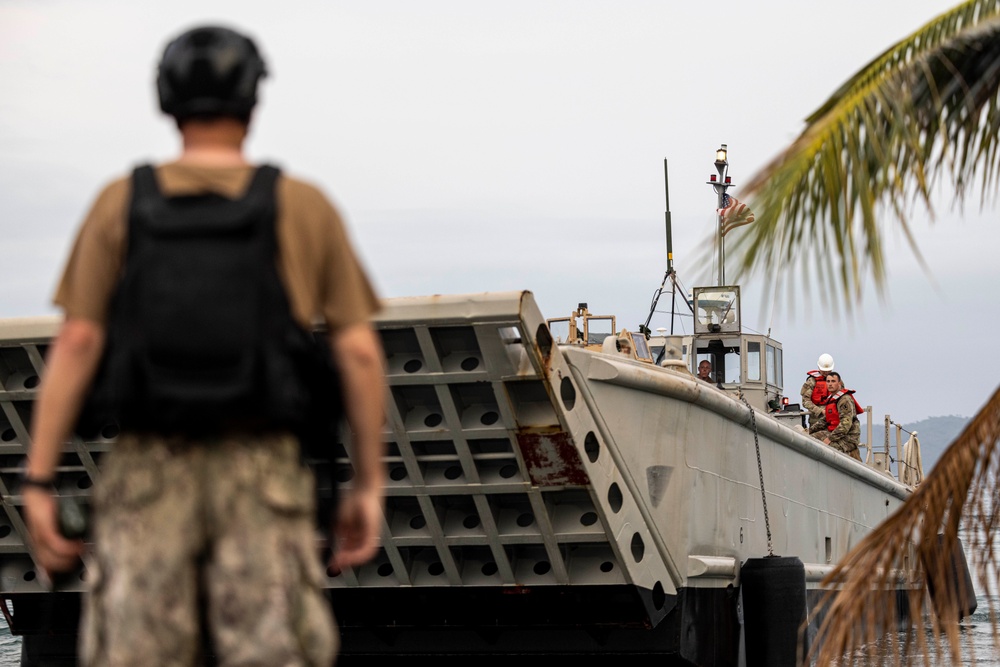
{"x":47,"y":484}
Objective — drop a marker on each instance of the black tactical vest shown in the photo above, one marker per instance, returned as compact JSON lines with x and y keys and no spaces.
{"x":201,"y":338}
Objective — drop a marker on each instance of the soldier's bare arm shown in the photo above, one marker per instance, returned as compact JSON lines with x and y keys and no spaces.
{"x":70,"y":367}
{"x":358,"y":354}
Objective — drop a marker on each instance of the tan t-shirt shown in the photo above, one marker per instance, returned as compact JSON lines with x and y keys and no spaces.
{"x":320,"y":272}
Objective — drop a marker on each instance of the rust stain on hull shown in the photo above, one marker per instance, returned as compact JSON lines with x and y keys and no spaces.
{"x":551,"y":458}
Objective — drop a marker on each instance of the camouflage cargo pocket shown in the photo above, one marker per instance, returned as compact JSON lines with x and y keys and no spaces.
{"x":129,"y":479}
{"x":288,"y":488}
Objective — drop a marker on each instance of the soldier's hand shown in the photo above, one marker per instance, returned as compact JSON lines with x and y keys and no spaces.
{"x":53,"y":553}
{"x":357,"y":528}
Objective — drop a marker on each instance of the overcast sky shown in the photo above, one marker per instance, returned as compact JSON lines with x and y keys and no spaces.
{"x":483,"y":146}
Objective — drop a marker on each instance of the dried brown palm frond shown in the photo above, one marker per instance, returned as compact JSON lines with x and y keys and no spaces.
{"x":926,"y":107}
{"x":915,"y":550}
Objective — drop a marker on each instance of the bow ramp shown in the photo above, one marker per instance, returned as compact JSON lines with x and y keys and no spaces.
{"x":500,"y":474}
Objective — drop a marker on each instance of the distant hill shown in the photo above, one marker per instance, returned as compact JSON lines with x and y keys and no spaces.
{"x":934,"y":433}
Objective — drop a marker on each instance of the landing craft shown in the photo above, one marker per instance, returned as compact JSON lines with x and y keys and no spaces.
{"x":555,"y":487}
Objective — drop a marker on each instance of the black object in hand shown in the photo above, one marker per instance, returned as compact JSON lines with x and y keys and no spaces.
{"x":73,"y":523}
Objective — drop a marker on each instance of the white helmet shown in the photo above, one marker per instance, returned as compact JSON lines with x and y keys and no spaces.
{"x":825,"y":363}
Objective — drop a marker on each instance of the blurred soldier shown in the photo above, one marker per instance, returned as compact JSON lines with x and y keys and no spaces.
{"x":815,"y":392}
{"x":209,"y":526}
{"x":843,"y":429}
{"x":624,"y":344}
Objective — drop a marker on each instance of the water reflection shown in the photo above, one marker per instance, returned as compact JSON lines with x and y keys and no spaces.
{"x":978,"y":645}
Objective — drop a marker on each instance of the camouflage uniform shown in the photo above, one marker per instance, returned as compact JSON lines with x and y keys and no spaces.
{"x":846,"y":437}
{"x":816,"y":412}
{"x":818,"y":426}
{"x":223,"y":525}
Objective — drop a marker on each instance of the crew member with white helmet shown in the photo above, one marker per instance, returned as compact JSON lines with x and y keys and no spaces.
{"x":815,"y":392}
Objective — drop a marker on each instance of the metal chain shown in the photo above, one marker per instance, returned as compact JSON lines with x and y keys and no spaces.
{"x":760,"y":473}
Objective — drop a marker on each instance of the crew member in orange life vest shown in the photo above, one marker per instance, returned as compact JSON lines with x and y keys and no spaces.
{"x":815,"y":392}
{"x":843,"y":429}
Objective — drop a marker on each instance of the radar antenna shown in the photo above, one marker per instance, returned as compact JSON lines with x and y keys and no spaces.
{"x":671,"y":274}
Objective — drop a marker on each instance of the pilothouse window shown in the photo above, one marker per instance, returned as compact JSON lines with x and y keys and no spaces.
{"x":753,"y":361}
{"x":599,"y":328}
{"x":732,"y":367}
{"x":641,"y":349}
{"x":559,"y":328}
{"x":716,"y":310}
{"x":727,"y":357}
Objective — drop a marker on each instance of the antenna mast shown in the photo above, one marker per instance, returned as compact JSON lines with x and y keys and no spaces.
{"x":720,"y":185}
{"x":670,"y":275}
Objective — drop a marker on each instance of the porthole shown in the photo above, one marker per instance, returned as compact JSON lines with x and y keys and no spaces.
{"x":508,"y":471}
{"x":568,"y":393}
{"x":413,"y":365}
{"x":615,"y":497}
{"x":385,"y":569}
{"x":542,"y":567}
{"x":435,"y":569}
{"x":592,"y":447}
{"x":588,"y":518}
{"x":418,"y":522}
{"x":659,"y":597}
{"x":638,"y":548}
{"x":526,"y":519}
{"x":489,"y":418}
{"x":432,"y":420}
{"x":470,"y":364}
{"x":489,"y":569}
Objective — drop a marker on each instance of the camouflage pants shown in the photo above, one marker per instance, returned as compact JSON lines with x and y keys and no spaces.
{"x":209,"y":534}
{"x":847,"y":445}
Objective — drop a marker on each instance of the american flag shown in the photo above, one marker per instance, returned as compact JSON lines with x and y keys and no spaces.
{"x":734,"y":214}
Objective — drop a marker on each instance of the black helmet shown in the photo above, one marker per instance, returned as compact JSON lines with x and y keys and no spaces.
{"x":209,"y":71}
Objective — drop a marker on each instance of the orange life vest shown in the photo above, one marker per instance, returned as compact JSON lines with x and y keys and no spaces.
{"x":833,"y":414}
{"x":820,"y":392}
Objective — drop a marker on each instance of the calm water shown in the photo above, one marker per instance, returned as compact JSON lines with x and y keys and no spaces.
{"x":976,"y":633}
{"x":977,"y":642}
{"x":10,"y":647}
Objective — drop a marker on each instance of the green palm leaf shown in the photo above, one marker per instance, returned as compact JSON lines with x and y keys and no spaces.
{"x":925,"y":108}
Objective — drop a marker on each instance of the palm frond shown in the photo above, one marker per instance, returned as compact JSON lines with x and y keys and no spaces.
{"x":913,"y":549}
{"x":926,"y":107}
